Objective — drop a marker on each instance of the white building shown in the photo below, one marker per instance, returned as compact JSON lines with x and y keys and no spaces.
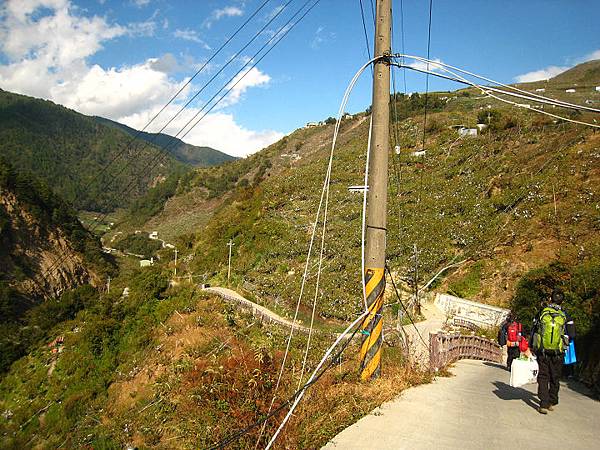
{"x":570,"y":91}
{"x":312,"y":124}
{"x":540,"y":90}
{"x":597,"y":88}
{"x":357,"y":188}
{"x":462,"y":132}
{"x":147,"y":262}
{"x":153,"y":235}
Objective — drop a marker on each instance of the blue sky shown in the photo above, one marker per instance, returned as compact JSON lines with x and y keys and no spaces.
{"x":123,"y":59}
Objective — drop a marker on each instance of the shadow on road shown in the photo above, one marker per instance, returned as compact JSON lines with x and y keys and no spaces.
{"x":506,"y":392}
{"x":580,"y":388}
{"x":493,"y":364}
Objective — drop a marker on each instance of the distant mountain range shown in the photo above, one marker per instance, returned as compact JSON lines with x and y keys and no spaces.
{"x":182,"y":152}
{"x":90,"y":162}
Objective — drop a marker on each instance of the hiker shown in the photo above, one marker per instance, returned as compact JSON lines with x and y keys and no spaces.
{"x":511,"y":335}
{"x":550,"y":336}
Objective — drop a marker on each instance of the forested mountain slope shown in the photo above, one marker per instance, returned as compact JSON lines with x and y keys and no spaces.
{"x":181,"y":151}
{"x":69,"y":151}
{"x":44,"y":249}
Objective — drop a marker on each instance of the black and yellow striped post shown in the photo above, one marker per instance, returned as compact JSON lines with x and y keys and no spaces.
{"x":370,"y":350}
{"x":376,"y":218}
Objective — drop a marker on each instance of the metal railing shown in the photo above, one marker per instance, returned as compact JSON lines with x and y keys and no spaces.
{"x":445,"y":349}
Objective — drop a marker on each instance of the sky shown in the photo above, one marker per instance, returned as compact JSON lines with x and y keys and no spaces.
{"x":125,"y":59}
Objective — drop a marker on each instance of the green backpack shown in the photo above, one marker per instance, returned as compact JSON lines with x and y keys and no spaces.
{"x":551,"y":328}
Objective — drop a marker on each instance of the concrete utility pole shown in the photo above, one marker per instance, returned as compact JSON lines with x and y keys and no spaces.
{"x":175,"y":271}
{"x":229,"y":244}
{"x":370,"y":352}
{"x":108,"y":286}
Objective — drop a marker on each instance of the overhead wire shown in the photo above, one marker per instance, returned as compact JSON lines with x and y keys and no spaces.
{"x":313,"y":379}
{"x":163,"y":151}
{"x":139,"y":132}
{"x":530,"y":95}
{"x":396,"y":160}
{"x":323,"y":200}
{"x":362,"y":15}
{"x":315,"y":375}
{"x":404,"y":307}
{"x":174,"y":138}
{"x":487,"y":90}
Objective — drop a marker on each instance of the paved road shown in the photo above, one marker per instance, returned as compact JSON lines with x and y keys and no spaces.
{"x":476,"y":409}
{"x":233,"y":296}
{"x":419,"y":341}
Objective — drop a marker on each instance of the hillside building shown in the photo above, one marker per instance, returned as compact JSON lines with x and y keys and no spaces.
{"x":147,"y":262}
{"x":153,"y":235}
{"x":570,"y":91}
{"x":540,"y":90}
{"x":463,"y":132}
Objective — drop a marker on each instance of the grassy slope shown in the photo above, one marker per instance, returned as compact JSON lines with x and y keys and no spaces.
{"x":176,"y":368}
{"x":488,"y":199}
{"x":68,"y":150}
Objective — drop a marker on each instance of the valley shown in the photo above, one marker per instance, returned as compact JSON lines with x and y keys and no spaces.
{"x":156,"y":360}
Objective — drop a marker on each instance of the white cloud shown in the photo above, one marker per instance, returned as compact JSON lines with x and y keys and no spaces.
{"x":141,"y":3}
{"x":190,"y":35}
{"x":244,"y":80}
{"x":321,"y":36}
{"x":167,"y":63}
{"x":590,"y":56}
{"x":422,"y":65}
{"x":228,"y":11}
{"x":552,"y":71}
{"x":47,"y":56}
{"x":542,"y":74}
{"x":218,"y":14}
{"x":217,"y":130}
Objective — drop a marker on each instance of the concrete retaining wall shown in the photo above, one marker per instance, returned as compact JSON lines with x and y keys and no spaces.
{"x":477,"y":313}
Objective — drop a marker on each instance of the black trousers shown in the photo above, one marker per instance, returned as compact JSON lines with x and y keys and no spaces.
{"x":512,"y":353}
{"x":549,"y":378}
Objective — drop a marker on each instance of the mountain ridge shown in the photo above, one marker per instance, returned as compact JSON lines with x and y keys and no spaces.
{"x":90,"y":165}
{"x":180,"y":150}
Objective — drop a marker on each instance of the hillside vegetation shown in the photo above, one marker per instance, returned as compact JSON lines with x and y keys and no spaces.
{"x":181,"y":151}
{"x":44,"y":251}
{"x":162,"y":364}
{"x":69,"y":152}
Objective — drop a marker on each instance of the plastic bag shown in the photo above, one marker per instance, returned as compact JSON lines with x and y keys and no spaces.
{"x":523,"y":371}
{"x":570,"y":357}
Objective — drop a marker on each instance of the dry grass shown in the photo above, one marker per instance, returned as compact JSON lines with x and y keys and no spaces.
{"x":210,"y":378}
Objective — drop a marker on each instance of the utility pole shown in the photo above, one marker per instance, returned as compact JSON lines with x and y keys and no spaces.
{"x":229,"y":244}
{"x":416,"y":281}
{"x":108,"y":285}
{"x":372,"y":326}
{"x":175,"y":271}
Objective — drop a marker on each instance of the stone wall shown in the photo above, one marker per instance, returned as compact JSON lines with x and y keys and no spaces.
{"x":478,"y":313}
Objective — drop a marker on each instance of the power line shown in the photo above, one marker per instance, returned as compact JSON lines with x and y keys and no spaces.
{"x":239,"y":434}
{"x":163,"y":153}
{"x":173,"y":138}
{"x":186,"y":84}
{"x":402,"y":38}
{"x":362,"y":15}
{"x":404,"y":307}
{"x":427,"y":76}
{"x":487,"y":89}
{"x":324,"y":200}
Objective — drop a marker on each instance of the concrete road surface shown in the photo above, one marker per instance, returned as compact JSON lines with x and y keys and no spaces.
{"x":477,"y":409}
